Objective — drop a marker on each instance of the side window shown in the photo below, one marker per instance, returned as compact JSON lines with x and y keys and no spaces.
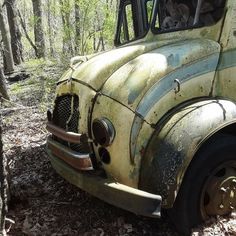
{"x":183,"y":14}
{"x":133,"y":20}
{"x":127,"y":26}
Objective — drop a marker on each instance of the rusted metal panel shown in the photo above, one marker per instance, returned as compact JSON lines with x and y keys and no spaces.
{"x":75,"y":159}
{"x":121,"y":117}
{"x":61,"y":133}
{"x":172,"y":148}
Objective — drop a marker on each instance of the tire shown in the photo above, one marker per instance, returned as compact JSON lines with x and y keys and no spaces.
{"x":212,"y":170}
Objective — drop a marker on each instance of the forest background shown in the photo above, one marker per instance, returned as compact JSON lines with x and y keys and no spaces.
{"x":54,"y":28}
{"x":37,"y":40}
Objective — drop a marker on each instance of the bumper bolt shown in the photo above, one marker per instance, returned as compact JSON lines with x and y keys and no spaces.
{"x":221,"y":206}
{"x":223,"y":190}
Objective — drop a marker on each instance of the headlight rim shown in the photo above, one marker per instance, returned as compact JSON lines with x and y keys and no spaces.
{"x":103,"y":131}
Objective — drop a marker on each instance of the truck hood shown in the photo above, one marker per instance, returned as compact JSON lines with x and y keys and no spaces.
{"x":97,"y":69}
{"x":154,"y":72}
{"x":128,"y":73}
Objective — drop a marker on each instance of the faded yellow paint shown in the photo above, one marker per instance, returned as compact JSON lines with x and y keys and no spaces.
{"x":151,"y":78}
{"x":172,"y":148}
{"x":120,"y":167}
{"x":199,"y":85}
{"x":228,"y":36}
{"x":135,"y":78}
{"x":226,"y":83}
{"x":195,"y":88}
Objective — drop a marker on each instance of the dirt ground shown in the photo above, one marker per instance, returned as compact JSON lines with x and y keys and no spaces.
{"x":42,"y":203}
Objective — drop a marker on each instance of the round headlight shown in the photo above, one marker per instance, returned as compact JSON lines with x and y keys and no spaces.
{"x":103,"y":131}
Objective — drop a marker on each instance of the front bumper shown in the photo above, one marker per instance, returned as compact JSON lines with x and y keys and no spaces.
{"x":77,"y":169}
{"x":127,"y":198}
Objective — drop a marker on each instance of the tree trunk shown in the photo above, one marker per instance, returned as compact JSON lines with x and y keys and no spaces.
{"x":65,"y":16}
{"x":50,"y":30}
{"x":14,"y":31}
{"x":38,"y":29}
{"x":7,"y":51}
{"x":3,"y":189}
{"x":3,"y":87}
{"x":77,"y":26}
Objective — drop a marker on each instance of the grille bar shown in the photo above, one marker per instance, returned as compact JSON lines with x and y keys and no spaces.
{"x":66,"y":116}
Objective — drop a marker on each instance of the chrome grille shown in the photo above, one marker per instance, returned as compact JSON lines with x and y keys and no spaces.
{"x":66,"y":119}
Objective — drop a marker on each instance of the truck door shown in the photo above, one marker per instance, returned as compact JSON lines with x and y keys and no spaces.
{"x":225,"y":82}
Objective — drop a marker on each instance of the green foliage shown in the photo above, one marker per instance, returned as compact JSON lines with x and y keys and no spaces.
{"x":67,"y":33}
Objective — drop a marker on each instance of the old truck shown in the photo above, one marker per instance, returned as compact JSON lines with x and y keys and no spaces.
{"x":151,"y":124}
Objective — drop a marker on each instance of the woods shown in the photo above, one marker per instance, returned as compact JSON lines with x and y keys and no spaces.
{"x":57,"y":29}
{"x":48,"y":30}
{"x":54,"y":28}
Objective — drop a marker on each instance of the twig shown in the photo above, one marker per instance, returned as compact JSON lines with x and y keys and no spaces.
{"x":26,"y":33}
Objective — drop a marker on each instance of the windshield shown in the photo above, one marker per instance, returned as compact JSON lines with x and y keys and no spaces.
{"x":134,"y":17}
{"x":133,"y":20}
{"x":175,"y":15}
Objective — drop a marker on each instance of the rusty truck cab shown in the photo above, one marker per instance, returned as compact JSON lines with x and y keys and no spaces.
{"x":151,"y":124}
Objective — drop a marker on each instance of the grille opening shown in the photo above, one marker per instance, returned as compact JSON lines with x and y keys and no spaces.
{"x":66,"y":116}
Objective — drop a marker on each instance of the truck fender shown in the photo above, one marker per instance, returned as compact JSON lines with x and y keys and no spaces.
{"x":172,"y":148}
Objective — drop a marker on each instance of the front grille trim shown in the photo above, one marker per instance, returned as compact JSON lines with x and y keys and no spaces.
{"x":66,"y":116}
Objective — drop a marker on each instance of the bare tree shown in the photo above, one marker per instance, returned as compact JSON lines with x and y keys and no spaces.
{"x":38,"y":28}
{"x":77,"y":26}
{"x":14,"y":31}
{"x":3,"y":189}
{"x":3,"y":87}
{"x":7,"y":51}
{"x":50,"y":10}
{"x":65,"y":16}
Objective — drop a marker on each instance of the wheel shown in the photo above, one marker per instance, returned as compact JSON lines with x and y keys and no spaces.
{"x":209,"y":185}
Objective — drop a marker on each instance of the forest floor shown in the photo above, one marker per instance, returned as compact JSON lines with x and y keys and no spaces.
{"x":42,"y":203}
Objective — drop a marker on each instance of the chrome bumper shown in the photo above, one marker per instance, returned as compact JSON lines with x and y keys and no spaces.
{"x":127,"y":198}
{"x":79,"y":161}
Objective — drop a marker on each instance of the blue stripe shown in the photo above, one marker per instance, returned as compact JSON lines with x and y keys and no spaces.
{"x":183,"y":74}
{"x":136,"y":127}
{"x":227,"y":60}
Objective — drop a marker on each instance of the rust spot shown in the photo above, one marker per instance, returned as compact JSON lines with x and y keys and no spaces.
{"x":142,"y":151}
